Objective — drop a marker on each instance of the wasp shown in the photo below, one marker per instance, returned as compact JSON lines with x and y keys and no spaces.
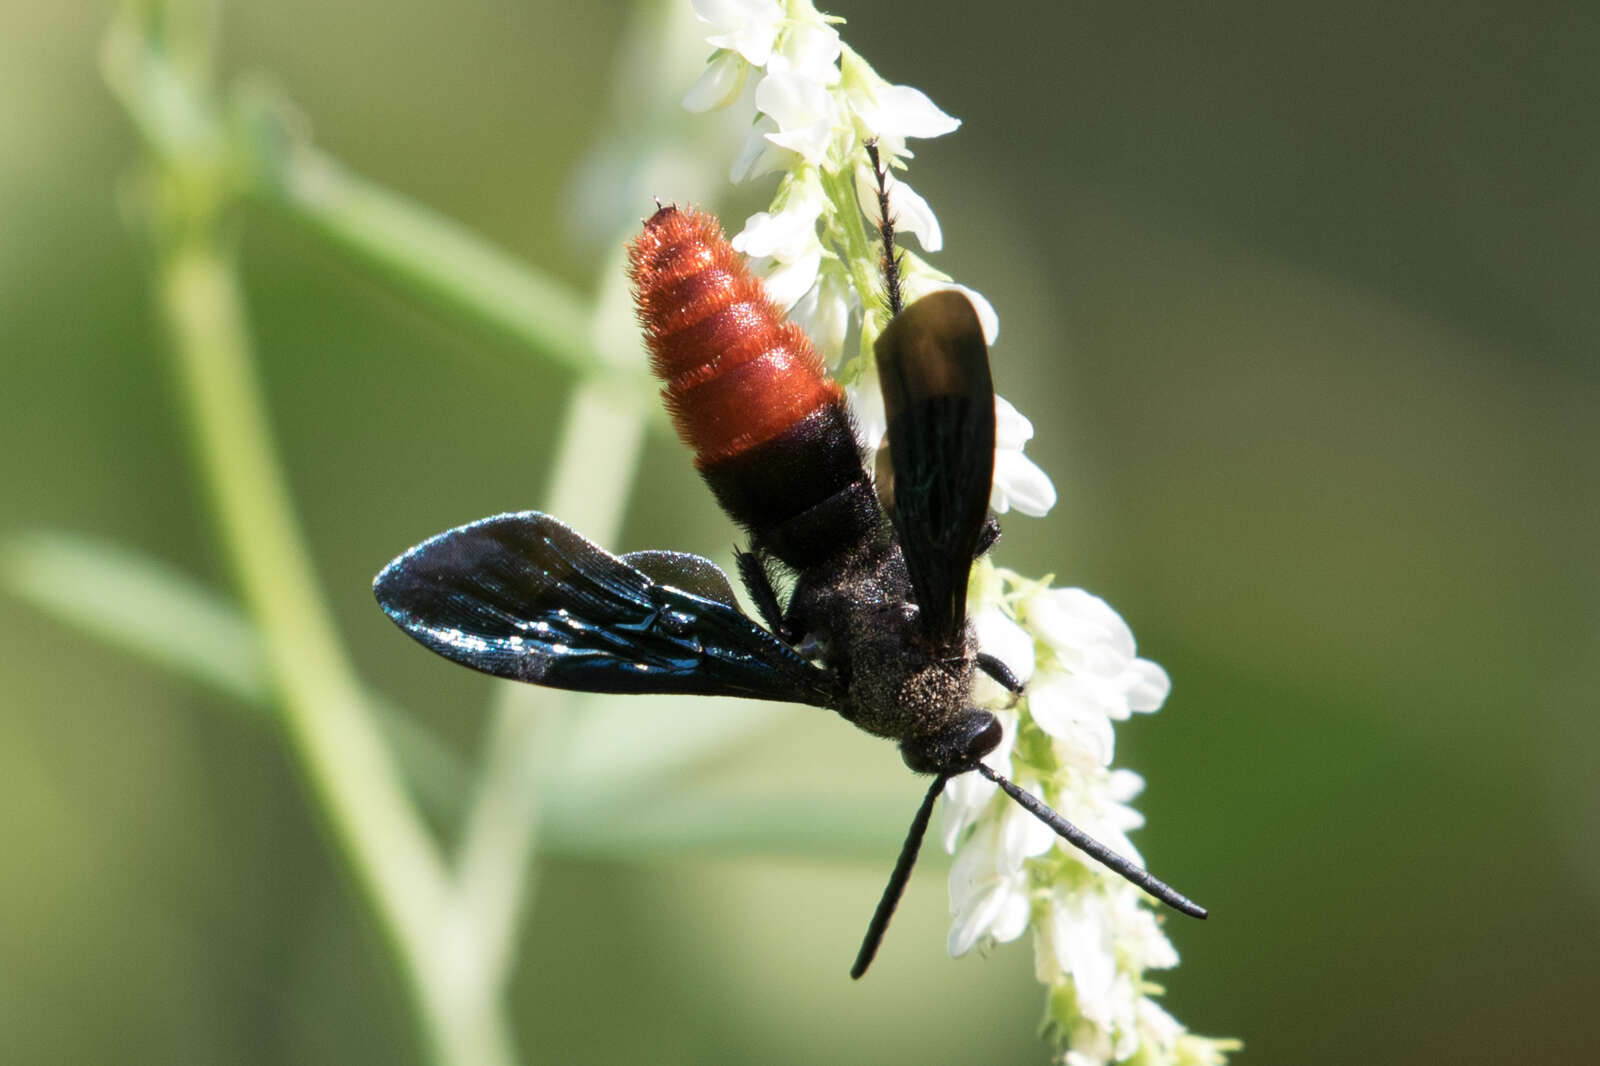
{"x":874,"y":623}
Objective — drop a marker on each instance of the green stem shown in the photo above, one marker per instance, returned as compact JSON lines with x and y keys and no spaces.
{"x":434,"y":257}
{"x":859,"y":251}
{"x":330,"y":725}
{"x":593,"y":479}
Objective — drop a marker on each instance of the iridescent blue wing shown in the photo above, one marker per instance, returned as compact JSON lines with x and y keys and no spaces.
{"x":939,"y":400}
{"x":524,"y":597}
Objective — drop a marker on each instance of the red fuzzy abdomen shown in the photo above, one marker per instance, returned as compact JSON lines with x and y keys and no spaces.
{"x":737,"y":374}
{"x":746,"y":390}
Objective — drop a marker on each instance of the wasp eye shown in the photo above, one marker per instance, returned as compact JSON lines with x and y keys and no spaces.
{"x":956,"y":749}
{"x":985,"y":740}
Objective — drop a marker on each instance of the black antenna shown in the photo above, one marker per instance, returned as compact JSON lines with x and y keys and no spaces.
{"x":1096,"y":850}
{"x":897,"y":880}
{"x":891,"y":260}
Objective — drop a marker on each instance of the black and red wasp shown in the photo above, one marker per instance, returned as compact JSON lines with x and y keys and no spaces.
{"x":874,"y":626}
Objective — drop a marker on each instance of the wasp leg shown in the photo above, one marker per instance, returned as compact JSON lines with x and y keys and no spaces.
{"x":1001,"y":673}
{"x":758,"y":582}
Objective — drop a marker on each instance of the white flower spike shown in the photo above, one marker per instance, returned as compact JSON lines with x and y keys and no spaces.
{"x":813,"y":106}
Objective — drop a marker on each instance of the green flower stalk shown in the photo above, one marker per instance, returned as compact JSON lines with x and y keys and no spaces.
{"x":815,"y":105}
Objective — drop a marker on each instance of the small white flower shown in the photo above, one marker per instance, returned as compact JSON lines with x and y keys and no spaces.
{"x":1102,"y":811}
{"x":1085,"y":935}
{"x":804,"y":111}
{"x":1118,"y":1013}
{"x":1138,"y":934}
{"x":824,"y":311}
{"x":1007,"y":641}
{"x":784,"y":246}
{"x":899,"y":111}
{"x":758,"y":155}
{"x":748,"y":27}
{"x":867,"y":414}
{"x":1018,"y":482}
{"x":719,"y":85}
{"x":994,"y":906}
{"x":1191,"y":1050}
{"x":811,"y":50}
{"x":786,"y":283}
{"x":1092,"y":642}
{"x":891,"y":113}
{"x":908,"y":211}
{"x":1081,"y":627}
{"x":1078,"y":941}
{"x":1077,"y":1057}
{"x":788,"y":234}
{"x":1057,"y":705}
{"x":1157,"y":1026}
{"x":989,"y":895}
{"x":912,"y":215}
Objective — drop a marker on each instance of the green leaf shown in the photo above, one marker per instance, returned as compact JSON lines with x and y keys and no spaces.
{"x":147,"y":608}
{"x":141,"y":606}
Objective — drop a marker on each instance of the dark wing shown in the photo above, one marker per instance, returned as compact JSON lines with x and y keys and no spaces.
{"x":686,"y":572}
{"x":939,"y":400}
{"x":523,"y":596}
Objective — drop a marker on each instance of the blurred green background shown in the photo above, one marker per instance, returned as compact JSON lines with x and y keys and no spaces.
{"x":1301,"y":300}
